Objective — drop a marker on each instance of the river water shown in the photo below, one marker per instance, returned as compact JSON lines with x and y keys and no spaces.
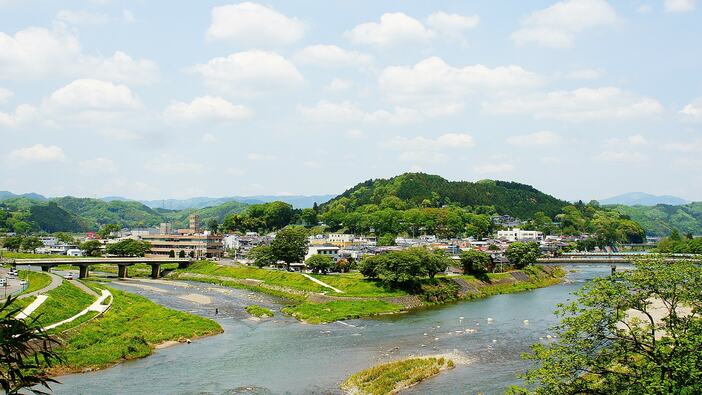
{"x":283,"y":356}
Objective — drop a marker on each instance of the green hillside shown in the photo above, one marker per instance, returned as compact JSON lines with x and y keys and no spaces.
{"x":219,"y":212}
{"x":97,"y":212}
{"x":661,"y":219}
{"x":424,"y":190}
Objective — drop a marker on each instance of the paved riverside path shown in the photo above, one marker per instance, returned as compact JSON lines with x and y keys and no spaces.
{"x":55,"y":282}
{"x":96,"y":306}
{"x":84,"y":288}
{"x":322,"y":283}
{"x":32,"y":306}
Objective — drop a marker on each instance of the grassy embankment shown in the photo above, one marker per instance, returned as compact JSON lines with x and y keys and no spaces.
{"x":37,"y":280}
{"x":129,"y":330}
{"x":258,"y":311}
{"x":364,"y":297}
{"x":391,"y":377}
{"x":29,"y":255}
{"x":63,"y":302}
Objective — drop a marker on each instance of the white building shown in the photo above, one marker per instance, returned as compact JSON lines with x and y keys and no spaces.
{"x":326,"y":250}
{"x":516,"y":234}
{"x":74,"y":252}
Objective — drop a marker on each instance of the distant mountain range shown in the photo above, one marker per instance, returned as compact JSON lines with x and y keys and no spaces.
{"x":643,"y":199}
{"x":9,"y":195}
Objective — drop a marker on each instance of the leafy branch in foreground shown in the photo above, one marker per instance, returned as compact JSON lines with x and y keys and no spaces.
{"x":635,"y":332}
{"x":25,"y":348}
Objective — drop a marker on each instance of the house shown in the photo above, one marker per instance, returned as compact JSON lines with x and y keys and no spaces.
{"x":74,"y":252}
{"x":516,"y":234}
{"x":326,"y":250}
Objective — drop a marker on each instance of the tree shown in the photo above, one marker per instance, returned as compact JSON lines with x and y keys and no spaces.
{"x":213,"y":225}
{"x":92,"y":247}
{"x":308,"y":217}
{"x":107,"y":231}
{"x":474,"y":261}
{"x":262,"y":256}
{"x":24,"y":348}
{"x":404,"y":268}
{"x":31,"y":243}
{"x":386,"y":240}
{"x":128,"y":247}
{"x":343,"y":265}
{"x":635,"y":332}
{"x":181,"y":254}
{"x":65,"y":238}
{"x":522,"y":254}
{"x":22,"y":228}
{"x":12,"y":243}
{"x":319,"y":263}
{"x":290,"y":244}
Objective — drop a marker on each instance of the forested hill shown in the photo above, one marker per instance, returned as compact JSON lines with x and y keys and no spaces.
{"x":424,"y":190}
{"x":660,"y":220}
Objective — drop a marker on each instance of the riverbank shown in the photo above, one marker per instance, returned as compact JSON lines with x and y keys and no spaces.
{"x":311,"y":302}
{"x":391,"y":377}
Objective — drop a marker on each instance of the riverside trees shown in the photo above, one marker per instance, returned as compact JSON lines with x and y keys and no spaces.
{"x":404,"y":268}
{"x":635,"y":332}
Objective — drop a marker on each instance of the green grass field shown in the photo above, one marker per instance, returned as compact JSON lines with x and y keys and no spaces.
{"x":64,"y":302}
{"x":354,"y":284}
{"x":391,"y":377}
{"x":317,"y":313}
{"x":258,"y":311}
{"x":37,"y":280}
{"x":29,"y":255}
{"x":129,"y":330}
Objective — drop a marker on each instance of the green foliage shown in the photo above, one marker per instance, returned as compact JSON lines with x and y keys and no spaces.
{"x":22,"y":228}
{"x":108,"y":231}
{"x":260,"y":218}
{"x":522,"y":254}
{"x":24,"y":346}
{"x":474,"y":261}
{"x":50,"y":217}
{"x":404,"y":268}
{"x":391,"y":377}
{"x":63,"y":302}
{"x":319,"y":263}
{"x":31,"y":243}
{"x":660,"y":220}
{"x":262,"y":256}
{"x":96,"y":212}
{"x":92,"y":247}
{"x":439,"y":290}
{"x":258,"y":311}
{"x":128,"y":247}
{"x":12,"y":243}
{"x":317,"y":313}
{"x":678,"y":245}
{"x":37,"y":280}
{"x":636,"y":332}
{"x":290,"y":244}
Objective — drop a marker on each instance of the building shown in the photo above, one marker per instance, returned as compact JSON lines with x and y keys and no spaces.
{"x":516,"y":234}
{"x":326,"y":250}
{"x":195,"y":245}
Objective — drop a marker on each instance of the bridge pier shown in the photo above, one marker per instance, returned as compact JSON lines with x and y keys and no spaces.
{"x":155,"y":270}
{"x":45,"y":268}
{"x":84,"y":271}
{"x":183,"y":264}
{"x":122,"y":271}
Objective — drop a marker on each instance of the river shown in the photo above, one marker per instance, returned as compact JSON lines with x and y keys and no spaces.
{"x":283,"y":356}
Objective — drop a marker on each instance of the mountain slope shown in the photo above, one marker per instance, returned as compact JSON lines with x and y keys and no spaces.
{"x":643,"y":199}
{"x":96,"y":212}
{"x":661,"y":219}
{"x":4,"y":195}
{"x":419,"y":189}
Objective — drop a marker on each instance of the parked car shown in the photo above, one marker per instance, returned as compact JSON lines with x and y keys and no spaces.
{"x":3,"y":282}
{"x":69,"y":276}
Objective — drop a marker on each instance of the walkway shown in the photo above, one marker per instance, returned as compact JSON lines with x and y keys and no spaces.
{"x":322,"y":283}
{"x":84,"y":288}
{"x":32,"y":306}
{"x":96,"y":306}
{"x":55,"y":282}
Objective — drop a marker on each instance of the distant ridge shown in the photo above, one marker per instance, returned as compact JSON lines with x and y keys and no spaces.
{"x":9,"y":195}
{"x":643,"y":199}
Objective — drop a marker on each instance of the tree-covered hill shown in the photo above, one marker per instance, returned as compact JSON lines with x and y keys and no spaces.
{"x":660,"y":220}
{"x":96,"y":212}
{"x":218,"y":212}
{"x":424,"y":190}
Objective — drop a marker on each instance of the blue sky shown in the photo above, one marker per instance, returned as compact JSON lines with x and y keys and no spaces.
{"x":152,"y":99}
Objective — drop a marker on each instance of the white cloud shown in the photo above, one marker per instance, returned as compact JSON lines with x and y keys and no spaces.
{"x":252,"y":25}
{"x":433,"y":79}
{"x":541,"y":138}
{"x":585,"y":74}
{"x":621,"y":156}
{"x":23,"y":113}
{"x":557,"y":25}
{"x":167,"y":166}
{"x":332,"y":56}
{"x":249,"y":73}
{"x":128,"y":16}
{"x":209,"y":138}
{"x":206,"y":108}
{"x":579,"y":104}
{"x":339,"y":85}
{"x":679,"y":5}
{"x":98,"y":165}
{"x":355,"y":134}
{"x":493,"y":168}
{"x":340,"y":112}
{"x":687,"y":147}
{"x":258,"y":157}
{"x":429,"y":149}
{"x":693,"y":111}
{"x":94,"y":94}
{"x":37,"y":52}
{"x":80,"y":17}
{"x":452,"y":25}
{"x":39,"y":153}
{"x":5,"y":94}
{"x":393,"y":29}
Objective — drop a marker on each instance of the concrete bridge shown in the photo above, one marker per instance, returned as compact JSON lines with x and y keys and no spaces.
{"x":123,"y":264}
{"x":615,"y":257}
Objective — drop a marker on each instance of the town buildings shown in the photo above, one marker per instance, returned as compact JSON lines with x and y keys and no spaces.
{"x":191,"y":242}
{"x":516,"y":234}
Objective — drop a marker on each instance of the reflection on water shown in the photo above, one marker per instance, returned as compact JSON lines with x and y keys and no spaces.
{"x":282,"y":356}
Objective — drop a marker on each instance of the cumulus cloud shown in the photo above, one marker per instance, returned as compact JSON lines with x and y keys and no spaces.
{"x":22,"y":114}
{"x":206,"y":108}
{"x":5,"y":94}
{"x":355,"y":134}
{"x":686,"y":147}
{"x":342,"y":112}
{"x":542,"y":138}
{"x":393,"y":29}
{"x":36,"y":52}
{"x":94,"y":94}
{"x":332,"y":56}
{"x":81,"y":17}
{"x":38,"y":153}
{"x":252,"y":24}
{"x":578,"y":105}
{"x":249,"y":72}
{"x":635,"y":139}
{"x":585,"y":74}
{"x":679,"y":5}
{"x":557,"y":25}
{"x":452,"y":25}
{"x":493,"y":168}
{"x":693,"y":111}
{"x":339,"y":85}
{"x":424,"y":150}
